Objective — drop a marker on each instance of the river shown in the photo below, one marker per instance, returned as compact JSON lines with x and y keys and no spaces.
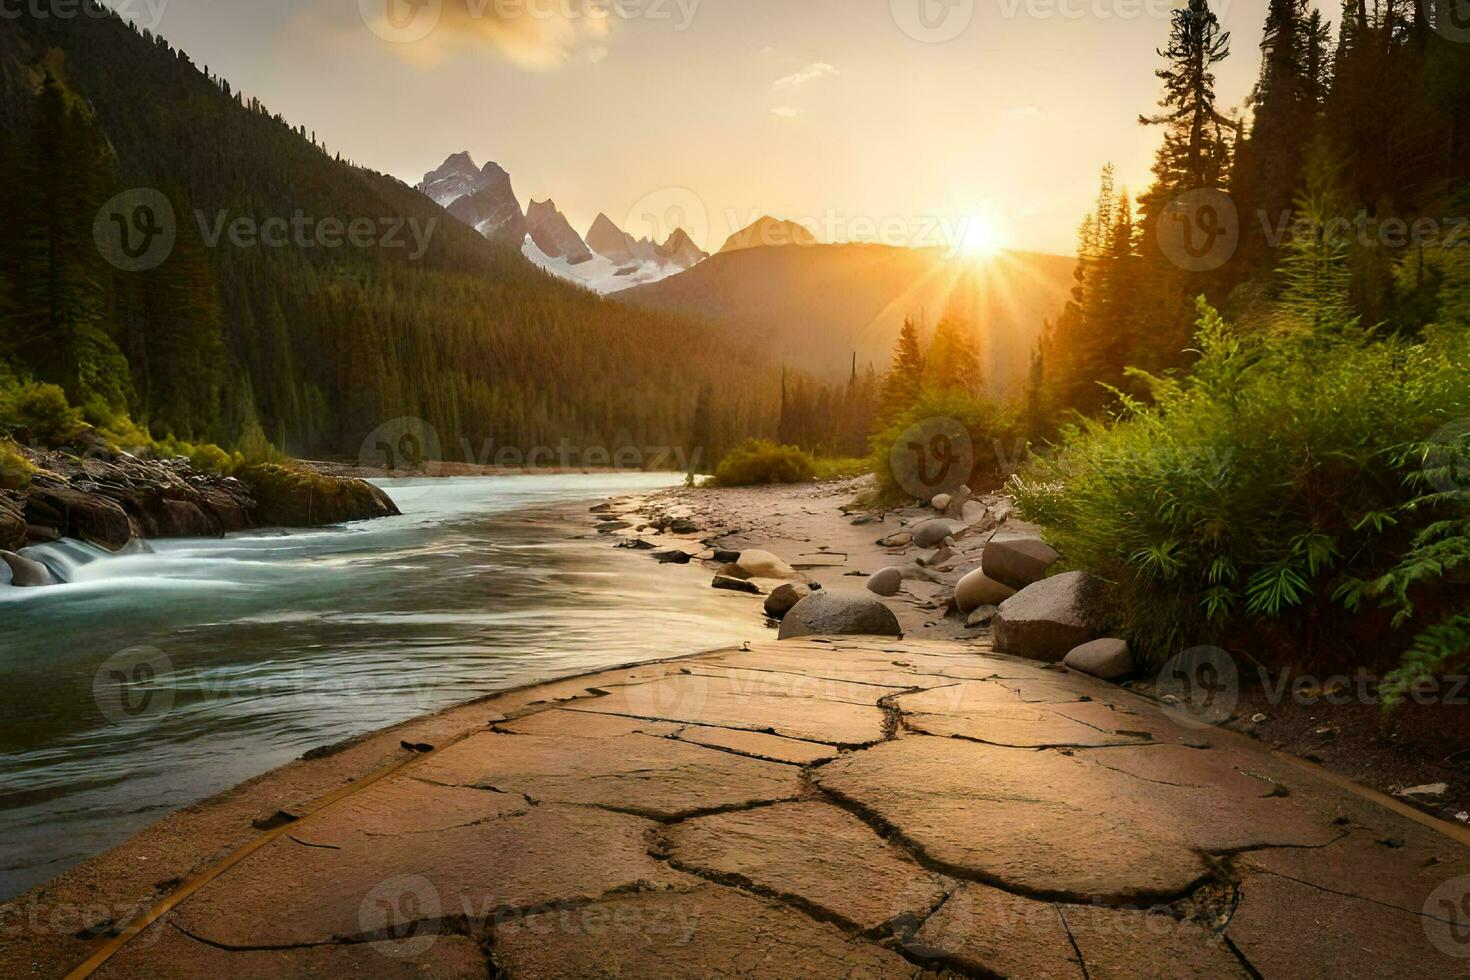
{"x":156,"y":678}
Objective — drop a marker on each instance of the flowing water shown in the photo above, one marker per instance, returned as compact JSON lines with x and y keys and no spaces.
{"x":158,"y":677}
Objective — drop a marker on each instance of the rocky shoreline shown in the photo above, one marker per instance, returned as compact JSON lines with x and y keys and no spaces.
{"x":967,"y":563}
{"x":113,"y":499}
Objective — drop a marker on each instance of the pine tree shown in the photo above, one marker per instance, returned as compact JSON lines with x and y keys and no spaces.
{"x":905,"y":379}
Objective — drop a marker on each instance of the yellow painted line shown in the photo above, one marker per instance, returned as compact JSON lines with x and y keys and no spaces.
{"x":179,"y":895}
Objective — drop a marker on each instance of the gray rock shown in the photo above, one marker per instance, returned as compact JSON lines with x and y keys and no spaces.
{"x":930,"y":534}
{"x":1019,"y":562}
{"x":1047,"y":620}
{"x":25,"y":573}
{"x":1108,"y":659}
{"x":726,"y":557}
{"x":671,"y":556}
{"x":784,"y":598}
{"x":982,"y":616}
{"x":886,"y":582}
{"x":978,"y":589}
{"x":830,"y":614}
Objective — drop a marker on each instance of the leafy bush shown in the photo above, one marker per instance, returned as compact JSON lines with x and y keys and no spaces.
{"x":15,"y":469}
{"x":840,"y":469}
{"x":757,"y":462}
{"x":43,"y":409}
{"x":1261,"y":499}
{"x":997,"y":444}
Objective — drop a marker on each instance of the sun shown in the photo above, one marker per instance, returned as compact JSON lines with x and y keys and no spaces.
{"x":980,"y":237}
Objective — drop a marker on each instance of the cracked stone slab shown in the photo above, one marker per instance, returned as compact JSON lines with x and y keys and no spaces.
{"x":1052,"y":824}
{"x":1288,"y":929}
{"x":829,"y":860}
{"x":287,"y":894}
{"x":710,"y":931}
{"x":164,"y":953}
{"x":773,"y":747}
{"x":756,"y":702}
{"x":654,"y":777}
{"x":1122,"y":944}
{"x":402,"y":805}
{"x":988,"y":932}
{"x":1032,"y":822}
{"x":582,"y":724}
{"x":990,"y":712}
{"x":1393,"y":865}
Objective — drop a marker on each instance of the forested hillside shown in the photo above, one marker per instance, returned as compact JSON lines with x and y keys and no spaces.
{"x":310,"y":346}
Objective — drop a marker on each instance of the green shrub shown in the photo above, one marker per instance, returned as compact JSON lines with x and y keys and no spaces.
{"x":15,"y":469}
{"x":44,"y":410}
{"x":996,"y":445}
{"x":1255,"y":502}
{"x":757,"y":462}
{"x":840,"y":469}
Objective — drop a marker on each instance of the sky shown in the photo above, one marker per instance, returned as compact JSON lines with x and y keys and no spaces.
{"x":901,"y":121}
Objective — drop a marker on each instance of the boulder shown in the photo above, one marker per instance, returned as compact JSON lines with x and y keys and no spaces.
{"x":1107,"y":659}
{"x":762,"y":564}
{"x":25,"y":573}
{"x":827,"y":613}
{"x":886,"y":582}
{"x":931,"y":534}
{"x":85,"y":516}
{"x":298,"y":497}
{"x":1046,"y":621}
{"x":784,"y":598}
{"x":978,"y":589}
{"x":1018,"y":562}
{"x":941,"y":502}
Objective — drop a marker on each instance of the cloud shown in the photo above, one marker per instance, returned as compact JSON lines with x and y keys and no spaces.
{"x":786,"y":112}
{"x":812,"y":72}
{"x":531,"y":35}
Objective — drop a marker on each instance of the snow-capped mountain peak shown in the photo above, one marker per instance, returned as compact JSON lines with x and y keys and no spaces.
{"x":608,"y":260}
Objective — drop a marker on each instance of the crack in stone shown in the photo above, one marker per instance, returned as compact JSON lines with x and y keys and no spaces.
{"x":894,"y":835}
{"x":734,"y":728}
{"x":1076,"y":947}
{"x":1245,"y":963}
{"x":1357,"y":898}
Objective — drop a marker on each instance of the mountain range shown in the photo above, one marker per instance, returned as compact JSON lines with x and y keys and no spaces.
{"x":608,"y":260}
